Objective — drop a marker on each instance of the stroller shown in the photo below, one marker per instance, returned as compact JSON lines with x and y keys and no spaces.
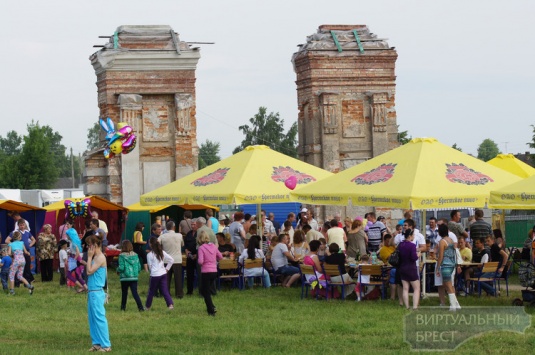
{"x":526,"y":275}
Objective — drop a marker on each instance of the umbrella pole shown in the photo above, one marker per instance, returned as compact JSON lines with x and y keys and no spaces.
{"x":260,"y":230}
{"x":423,"y":258}
{"x":502,"y":224}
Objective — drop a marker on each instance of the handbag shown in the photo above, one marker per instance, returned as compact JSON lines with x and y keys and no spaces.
{"x":393,"y":259}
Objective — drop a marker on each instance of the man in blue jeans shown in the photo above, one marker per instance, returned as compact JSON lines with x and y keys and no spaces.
{"x":279,"y":260}
{"x":496,"y":254}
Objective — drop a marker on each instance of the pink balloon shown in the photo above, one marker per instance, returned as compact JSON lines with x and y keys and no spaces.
{"x":291,"y":182}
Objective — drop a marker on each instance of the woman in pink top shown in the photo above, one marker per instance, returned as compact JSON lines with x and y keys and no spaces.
{"x":207,"y":257}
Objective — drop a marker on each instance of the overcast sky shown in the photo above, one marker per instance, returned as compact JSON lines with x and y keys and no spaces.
{"x":465,"y":69}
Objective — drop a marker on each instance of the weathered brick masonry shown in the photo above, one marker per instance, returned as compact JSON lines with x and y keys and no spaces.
{"x":146,"y":77}
{"x":346,"y":97}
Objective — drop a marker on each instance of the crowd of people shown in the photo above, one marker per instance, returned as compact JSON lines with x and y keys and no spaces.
{"x":82,"y":264}
{"x":282,"y":248}
{"x":358,"y":240}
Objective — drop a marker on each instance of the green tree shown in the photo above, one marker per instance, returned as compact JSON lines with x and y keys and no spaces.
{"x":37,"y":168}
{"x":93,"y":136}
{"x":455,"y":146}
{"x":487,"y":150}
{"x":33,"y":161}
{"x":532,"y":144}
{"x":11,"y":145}
{"x":10,"y":148}
{"x":403,"y":137}
{"x":268,"y":129}
{"x":208,"y":153}
{"x":58,"y":151}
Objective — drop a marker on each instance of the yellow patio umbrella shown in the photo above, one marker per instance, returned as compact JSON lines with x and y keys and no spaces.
{"x":153,"y":209}
{"x":510,"y":163}
{"x":255,"y":175}
{"x":517,"y":196}
{"x":421,"y":174}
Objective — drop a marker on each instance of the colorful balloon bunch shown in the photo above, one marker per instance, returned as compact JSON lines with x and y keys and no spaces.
{"x":77,"y":208}
{"x":121,"y":141}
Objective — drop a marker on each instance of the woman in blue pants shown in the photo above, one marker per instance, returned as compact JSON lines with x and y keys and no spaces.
{"x":96,"y":297}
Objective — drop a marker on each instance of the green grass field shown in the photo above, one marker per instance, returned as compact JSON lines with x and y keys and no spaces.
{"x":54,"y":320}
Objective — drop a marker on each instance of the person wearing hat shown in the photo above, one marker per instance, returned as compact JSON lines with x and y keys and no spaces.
{"x":223,"y":222}
{"x":302,"y":218}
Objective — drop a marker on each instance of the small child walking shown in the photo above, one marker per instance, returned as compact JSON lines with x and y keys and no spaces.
{"x":128,"y":270}
{"x":5,"y":263}
{"x":76,"y":263}
{"x":63,"y":261}
{"x":158,"y":273}
{"x":17,"y":249}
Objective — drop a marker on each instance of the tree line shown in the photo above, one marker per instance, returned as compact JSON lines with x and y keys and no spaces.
{"x":37,"y":159}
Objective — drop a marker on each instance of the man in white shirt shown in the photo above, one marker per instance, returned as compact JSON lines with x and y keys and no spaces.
{"x":419,"y":239}
{"x":279,"y":259}
{"x":16,"y":216}
{"x":313,"y":223}
{"x":172,"y":243}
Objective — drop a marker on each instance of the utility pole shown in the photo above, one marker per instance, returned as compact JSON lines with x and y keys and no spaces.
{"x":72,"y":170}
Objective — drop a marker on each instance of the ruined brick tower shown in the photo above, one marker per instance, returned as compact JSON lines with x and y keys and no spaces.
{"x":345,"y":90}
{"x":346,"y":97}
{"x":145,"y":77}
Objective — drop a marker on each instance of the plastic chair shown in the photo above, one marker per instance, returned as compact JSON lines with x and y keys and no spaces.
{"x":487,"y":268}
{"x":330,"y":271}
{"x":229,"y":270}
{"x":377,"y":278}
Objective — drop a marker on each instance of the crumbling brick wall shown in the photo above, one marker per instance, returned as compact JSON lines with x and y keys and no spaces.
{"x":146,"y":77}
{"x":346,"y":97}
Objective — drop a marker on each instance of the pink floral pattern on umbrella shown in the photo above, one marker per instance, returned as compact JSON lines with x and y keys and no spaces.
{"x":464,"y":175}
{"x":281,"y":173}
{"x":212,"y":178}
{"x":382,"y":173}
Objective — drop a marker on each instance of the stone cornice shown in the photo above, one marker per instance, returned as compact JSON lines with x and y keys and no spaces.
{"x":143,"y":60}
